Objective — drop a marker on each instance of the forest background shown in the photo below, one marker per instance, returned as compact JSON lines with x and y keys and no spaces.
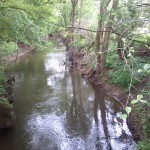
{"x":112,"y":36}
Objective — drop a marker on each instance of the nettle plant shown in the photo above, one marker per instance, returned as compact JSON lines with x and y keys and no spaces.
{"x":128,"y":110}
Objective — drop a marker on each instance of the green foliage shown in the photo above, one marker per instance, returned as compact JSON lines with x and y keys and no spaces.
{"x":135,"y":102}
{"x":7,"y":48}
{"x":124,"y":116}
{"x":25,"y":21}
{"x":143,"y":38}
{"x":4,"y":101}
{"x":128,"y":110}
{"x":2,"y":90}
{"x":78,"y":42}
{"x":122,"y":77}
{"x":128,"y":74}
{"x":64,"y":9}
{"x":143,"y":106}
{"x":46,"y":46}
{"x":113,"y":61}
{"x":2,"y":75}
{"x":144,"y":145}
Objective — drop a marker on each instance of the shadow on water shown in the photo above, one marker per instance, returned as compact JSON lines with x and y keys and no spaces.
{"x":58,"y":110}
{"x":99,"y":104}
{"x":77,"y":116}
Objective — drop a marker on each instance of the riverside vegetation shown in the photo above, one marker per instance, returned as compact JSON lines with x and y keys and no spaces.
{"x":109,"y":41}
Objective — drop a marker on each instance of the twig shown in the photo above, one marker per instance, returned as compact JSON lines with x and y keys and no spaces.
{"x":113,"y":31}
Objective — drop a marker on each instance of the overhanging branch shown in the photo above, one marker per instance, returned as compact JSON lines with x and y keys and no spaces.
{"x":113,"y":31}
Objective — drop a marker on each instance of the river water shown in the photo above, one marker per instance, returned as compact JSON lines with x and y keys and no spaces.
{"x":58,"y":110}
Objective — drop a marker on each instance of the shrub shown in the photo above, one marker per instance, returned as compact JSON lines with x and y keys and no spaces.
{"x":144,"y":145}
{"x":124,"y":76}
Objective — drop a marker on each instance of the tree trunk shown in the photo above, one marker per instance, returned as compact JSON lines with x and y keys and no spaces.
{"x":99,"y":37}
{"x":120,"y":49}
{"x":101,"y":58}
{"x":74,"y":4}
{"x":80,"y":14}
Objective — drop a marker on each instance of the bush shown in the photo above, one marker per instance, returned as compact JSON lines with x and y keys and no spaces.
{"x":144,"y":145}
{"x":4,"y":101}
{"x":2,"y":76}
{"x":7,"y":48}
{"x":121,"y":77}
{"x":124,"y":76}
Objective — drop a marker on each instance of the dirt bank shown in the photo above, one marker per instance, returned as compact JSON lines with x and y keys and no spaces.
{"x":7,"y":114}
{"x":116,"y":92}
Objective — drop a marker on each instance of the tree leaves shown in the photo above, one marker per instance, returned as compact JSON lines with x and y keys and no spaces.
{"x":146,"y":67}
{"x":134,"y":101}
{"x":139,"y":97}
{"x":24,"y":22}
{"x":128,"y":110}
{"x":124,"y":116}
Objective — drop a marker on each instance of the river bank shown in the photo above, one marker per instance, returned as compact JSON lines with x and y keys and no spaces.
{"x":7,"y":112}
{"x":23,"y":50}
{"x":64,"y":110}
{"x":112,"y":90}
{"x":134,"y":122}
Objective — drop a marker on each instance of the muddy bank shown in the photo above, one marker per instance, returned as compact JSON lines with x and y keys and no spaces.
{"x":133,"y":121}
{"x":7,"y":113}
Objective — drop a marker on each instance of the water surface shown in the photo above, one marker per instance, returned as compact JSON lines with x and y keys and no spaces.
{"x":58,"y":110}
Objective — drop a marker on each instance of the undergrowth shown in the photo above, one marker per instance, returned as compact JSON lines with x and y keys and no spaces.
{"x":2,"y":88}
{"x":144,"y":111}
{"x":122,"y":73}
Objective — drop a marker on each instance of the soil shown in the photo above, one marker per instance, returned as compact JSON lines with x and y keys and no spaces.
{"x":7,"y":115}
{"x":115,"y":92}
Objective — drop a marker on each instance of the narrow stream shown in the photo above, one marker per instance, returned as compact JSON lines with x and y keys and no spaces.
{"x":58,"y":110}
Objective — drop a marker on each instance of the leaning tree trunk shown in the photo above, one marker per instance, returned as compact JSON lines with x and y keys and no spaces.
{"x":99,"y":37}
{"x":102,"y":57}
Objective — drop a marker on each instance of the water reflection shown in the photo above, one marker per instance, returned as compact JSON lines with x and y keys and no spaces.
{"x":58,"y":110}
{"x":112,"y":132}
{"x":77,"y":116}
{"x":99,"y":104}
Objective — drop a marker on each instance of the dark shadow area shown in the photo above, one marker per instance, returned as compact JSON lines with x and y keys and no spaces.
{"x":99,"y":105}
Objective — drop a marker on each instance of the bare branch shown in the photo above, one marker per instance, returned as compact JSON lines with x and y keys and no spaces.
{"x":113,"y":31}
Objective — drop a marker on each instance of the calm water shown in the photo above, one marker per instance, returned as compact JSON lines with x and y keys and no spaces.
{"x":58,"y":110}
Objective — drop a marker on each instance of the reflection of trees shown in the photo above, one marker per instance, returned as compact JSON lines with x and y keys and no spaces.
{"x":77,"y":115}
{"x":32,"y":79}
{"x":64,"y":105}
{"x":113,"y":108}
{"x":99,"y":104}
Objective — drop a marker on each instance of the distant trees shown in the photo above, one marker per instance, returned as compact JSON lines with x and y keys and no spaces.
{"x":24,"y":21}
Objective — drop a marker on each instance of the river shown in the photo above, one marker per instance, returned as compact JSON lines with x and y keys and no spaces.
{"x":57,"y":109}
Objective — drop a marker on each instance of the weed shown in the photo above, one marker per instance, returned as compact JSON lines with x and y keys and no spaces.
{"x":144,"y":145}
{"x":4,"y":101}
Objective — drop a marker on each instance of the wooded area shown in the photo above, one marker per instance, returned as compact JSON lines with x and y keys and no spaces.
{"x":113,"y":37}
